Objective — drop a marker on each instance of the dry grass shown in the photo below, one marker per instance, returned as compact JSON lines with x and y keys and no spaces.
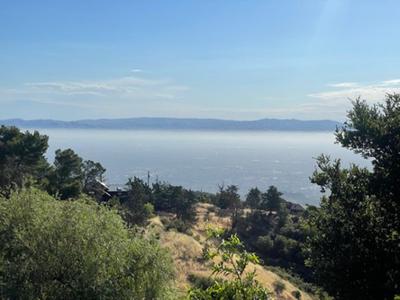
{"x":187,"y":250}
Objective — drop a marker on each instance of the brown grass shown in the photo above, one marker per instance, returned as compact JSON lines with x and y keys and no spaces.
{"x":187,"y":250}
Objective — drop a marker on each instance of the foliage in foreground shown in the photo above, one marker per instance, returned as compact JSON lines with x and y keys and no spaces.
{"x":53,"y":249}
{"x":229,"y":258}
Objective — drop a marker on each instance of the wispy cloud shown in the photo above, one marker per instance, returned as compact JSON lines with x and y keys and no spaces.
{"x":370,"y":92}
{"x":136,"y":70}
{"x":391,"y":82}
{"x":124,"y":88}
{"x":343,"y":84}
{"x":149,"y":96}
{"x":337,"y":100}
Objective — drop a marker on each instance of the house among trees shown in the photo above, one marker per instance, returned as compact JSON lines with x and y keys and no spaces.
{"x":104,"y":193}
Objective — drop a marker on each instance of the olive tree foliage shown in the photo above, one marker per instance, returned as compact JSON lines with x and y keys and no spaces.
{"x":230,"y":259}
{"x":79,"y":249}
{"x":354,"y":243}
{"x":21,"y":158}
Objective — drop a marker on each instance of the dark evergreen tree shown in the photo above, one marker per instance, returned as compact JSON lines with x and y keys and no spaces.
{"x":228,"y":197}
{"x":67,"y":175}
{"x":92,"y":172}
{"x":139,"y":194}
{"x":184,"y":205}
{"x":93,"y":176}
{"x":21,"y":158}
{"x":162,"y":196}
{"x":253,"y":198}
{"x":271,"y":200}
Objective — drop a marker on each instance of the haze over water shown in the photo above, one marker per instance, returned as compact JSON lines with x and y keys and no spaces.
{"x":201,"y":160}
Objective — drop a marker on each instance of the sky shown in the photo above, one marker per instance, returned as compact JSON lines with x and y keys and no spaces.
{"x":231,"y":59}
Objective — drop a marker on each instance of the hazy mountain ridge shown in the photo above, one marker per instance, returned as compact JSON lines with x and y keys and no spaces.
{"x":179,"y":123}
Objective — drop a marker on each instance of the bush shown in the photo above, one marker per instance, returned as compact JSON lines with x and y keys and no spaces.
{"x":179,"y":225}
{"x":233,"y":260}
{"x":264,"y":243}
{"x":279,"y":287}
{"x":212,"y":209}
{"x":300,"y":283}
{"x":199,"y":281}
{"x":296,"y":294}
{"x":148,"y":209}
{"x":53,"y":249}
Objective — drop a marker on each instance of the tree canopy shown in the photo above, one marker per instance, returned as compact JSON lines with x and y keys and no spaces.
{"x":228,"y":197}
{"x":67,"y":176}
{"x":253,"y":198}
{"x":271,"y":200}
{"x":354,"y":242}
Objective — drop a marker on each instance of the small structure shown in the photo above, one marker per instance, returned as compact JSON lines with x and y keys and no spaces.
{"x":102,"y":192}
{"x":294,"y":208}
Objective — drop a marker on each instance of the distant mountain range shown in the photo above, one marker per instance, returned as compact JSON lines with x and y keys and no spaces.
{"x":180,"y":124}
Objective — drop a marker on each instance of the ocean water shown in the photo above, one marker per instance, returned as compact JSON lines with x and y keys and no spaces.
{"x":202,"y":160}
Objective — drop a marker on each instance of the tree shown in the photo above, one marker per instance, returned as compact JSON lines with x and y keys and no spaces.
{"x":139,"y":194}
{"x":256,"y":223}
{"x":353,"y":245}
{"x":162,"y":196}
{"x":184,"y":205}
{"x":21,"y":158}
{"x":271,"y":200}
{"x":79,"y":249}
{"x":228,"y":197}
{"x":283,"y":215}
{"x":374,"y":132}
{"x":66,"y":180}
{"x":229,"y":258}
{"x":175,"y":199}
{"x":93,"y":173}
{"x":253,"y":198}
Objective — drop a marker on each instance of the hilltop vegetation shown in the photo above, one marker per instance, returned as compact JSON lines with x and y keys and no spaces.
{"x":64,"y":237}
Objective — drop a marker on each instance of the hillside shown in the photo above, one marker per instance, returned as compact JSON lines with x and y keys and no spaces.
{"x":180,"y":124}
{"x":187,"y":249}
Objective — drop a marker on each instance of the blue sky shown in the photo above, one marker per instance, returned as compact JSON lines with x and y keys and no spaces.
{"x":221,"y":59}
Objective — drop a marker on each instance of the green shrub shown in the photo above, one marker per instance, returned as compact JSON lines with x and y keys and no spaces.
{"x":148,"y":209}
{"x":200,"y":282}
{"x":53,"y":249}
{"x":179,"y":225}
{"x":300,"y":283}
{"x":232,"y":260}
{"x":264,"y":243}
